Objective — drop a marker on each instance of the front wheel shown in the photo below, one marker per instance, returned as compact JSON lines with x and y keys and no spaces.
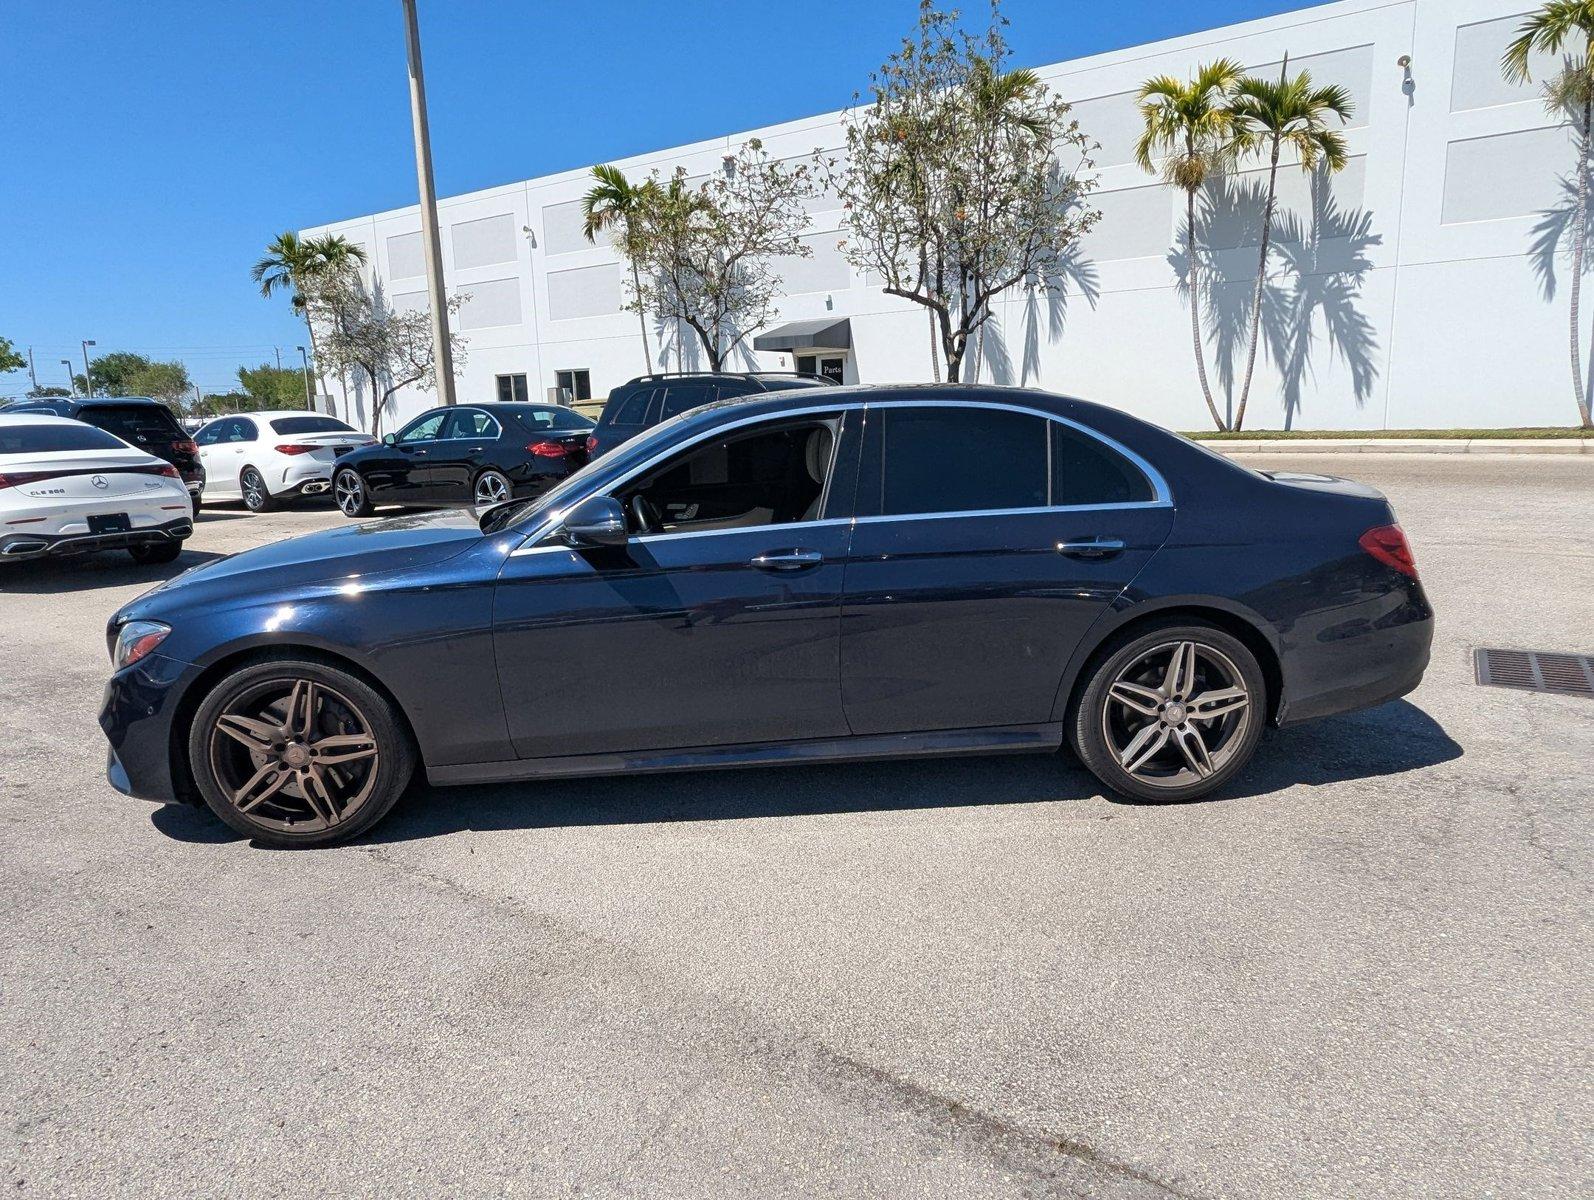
{"x":298,"y":753}
{"x":348,"y":489}
{"x":1171,"y":714}
{"x":257,"y":497}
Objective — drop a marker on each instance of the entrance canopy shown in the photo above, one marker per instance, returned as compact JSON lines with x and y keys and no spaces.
{"x":826,"y":334}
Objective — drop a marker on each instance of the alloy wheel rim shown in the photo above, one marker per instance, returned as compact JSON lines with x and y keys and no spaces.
{"x":349,"y":490}
{"x":1176,"y":714}
{"x":491,"y":489}
{"x":294,"y":755}
{"x":254,"y":489}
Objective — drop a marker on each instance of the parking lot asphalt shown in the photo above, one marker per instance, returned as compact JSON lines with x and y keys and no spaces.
{"x":1361,"y":971}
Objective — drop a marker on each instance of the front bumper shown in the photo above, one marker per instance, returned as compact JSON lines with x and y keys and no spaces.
{"x":138,"y":715}
{"x":15,"y":547}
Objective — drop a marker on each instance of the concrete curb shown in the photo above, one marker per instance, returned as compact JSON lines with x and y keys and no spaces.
{"x":1525,"y":446}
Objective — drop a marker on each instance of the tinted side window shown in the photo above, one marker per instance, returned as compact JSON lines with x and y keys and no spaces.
{"x":633,"y":409}
{"x":210,"y":434}
{"x":961,"y":460}
{"x":136,"y":423}
{"x":1086,"y":472}
{"x":424,"y":427}
{"x":469,"y":423}
{"x":679,"y":397}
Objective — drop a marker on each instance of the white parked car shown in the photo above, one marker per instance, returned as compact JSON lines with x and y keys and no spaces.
{"x":67,"y":487}
{"x":262,"y":458}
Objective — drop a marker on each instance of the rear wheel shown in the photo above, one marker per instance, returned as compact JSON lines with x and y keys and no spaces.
{"x":348,"y":489}
{"x":298,"y":753}
{"x":492,"y":487}
{"x":1172,"y":713}
{"x":155,"y":552}
{"x":257,"y":497}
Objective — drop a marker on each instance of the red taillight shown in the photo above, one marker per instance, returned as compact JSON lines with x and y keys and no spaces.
{"x":165,"y":469}
{"x":295,"y":448}
{"x":186,"y":446}
{"x":592,"y":443}
{"x":1387,"y":543}
{"x":547,"y":449}
{"x":21,"y":477}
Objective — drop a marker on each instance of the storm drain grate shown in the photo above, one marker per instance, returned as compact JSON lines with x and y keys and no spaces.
{"x":1536,"y":671}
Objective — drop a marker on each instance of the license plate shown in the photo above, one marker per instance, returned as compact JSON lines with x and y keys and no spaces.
{"x":109,"y":523}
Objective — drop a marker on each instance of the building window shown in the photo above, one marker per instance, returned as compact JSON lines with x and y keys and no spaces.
{"x":573,"y":385}
{"x":512,"y":388}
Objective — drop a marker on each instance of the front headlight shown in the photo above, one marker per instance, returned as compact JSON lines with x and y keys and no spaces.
{"x":136,"y":639}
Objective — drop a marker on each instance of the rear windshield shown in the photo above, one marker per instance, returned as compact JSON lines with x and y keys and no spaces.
{"x":555,"y":418}
{"x":309,"y":425}
{"x":47,"y":439}
{"x":135,"y":422}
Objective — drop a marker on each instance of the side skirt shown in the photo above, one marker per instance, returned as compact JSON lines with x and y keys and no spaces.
{"x":1006,"y":739}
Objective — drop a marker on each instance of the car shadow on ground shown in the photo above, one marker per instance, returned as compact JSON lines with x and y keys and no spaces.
{"x":102,"y":569}
{"x":1389,"y":740}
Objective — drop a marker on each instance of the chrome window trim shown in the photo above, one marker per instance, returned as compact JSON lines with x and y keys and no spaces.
{"x":1162,"y":495}
{"x":499,"y":429}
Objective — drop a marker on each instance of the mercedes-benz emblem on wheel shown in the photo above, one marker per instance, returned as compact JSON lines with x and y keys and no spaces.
{"x":100,"y":482}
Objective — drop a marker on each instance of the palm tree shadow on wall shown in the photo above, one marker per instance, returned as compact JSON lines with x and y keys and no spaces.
{"x":1550,"y":251}
{"x":1075,"y":276}
{"x":1311,"y":308}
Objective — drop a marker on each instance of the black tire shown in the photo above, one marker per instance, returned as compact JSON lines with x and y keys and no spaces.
{"x":1172,"y":772}
{"x":257,"y":497}
{"x":337,"y":702}
{"x":491,"y":488}
{"x":148,"y":553}
{"x":350,"y":494}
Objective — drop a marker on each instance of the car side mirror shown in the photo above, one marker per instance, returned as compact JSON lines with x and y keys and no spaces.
{"x":596,"y":521}
{"x":389,"y":438}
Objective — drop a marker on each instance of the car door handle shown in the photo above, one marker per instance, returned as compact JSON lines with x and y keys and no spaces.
{"x":788,"y":560}
{"x":1094,"y":548}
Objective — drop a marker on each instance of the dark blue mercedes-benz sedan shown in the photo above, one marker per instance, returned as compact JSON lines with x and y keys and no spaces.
{"x":775,"y":579}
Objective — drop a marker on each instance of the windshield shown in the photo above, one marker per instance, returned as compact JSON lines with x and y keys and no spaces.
{"x":528,"y":513}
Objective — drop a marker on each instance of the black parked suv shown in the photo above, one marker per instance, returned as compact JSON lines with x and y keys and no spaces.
{"x":138,"y":421}
{"x":649,"y":399}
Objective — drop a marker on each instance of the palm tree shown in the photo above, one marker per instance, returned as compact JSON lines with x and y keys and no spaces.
{"x":1269,"y":117}
{"x":609,"y":205}
{"x":292,"y":263}
{"x":1557,"y":25}
{"x":1189,"y":127}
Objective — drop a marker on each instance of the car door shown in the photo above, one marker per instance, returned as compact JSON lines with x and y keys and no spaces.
{"x":989,"y":539}
{"x":716,"y":625}
{"x":464,"y":446}
{"x":214,"y":450}
{"x":398,"y":472}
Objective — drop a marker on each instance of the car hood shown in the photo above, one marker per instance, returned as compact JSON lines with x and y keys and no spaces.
{"x":366,"y":548}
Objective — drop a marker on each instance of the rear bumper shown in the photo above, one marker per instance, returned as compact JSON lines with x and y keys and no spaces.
{"x":1375,"y":653}
{"x":304,"y":479}
{"x":15,"y":547}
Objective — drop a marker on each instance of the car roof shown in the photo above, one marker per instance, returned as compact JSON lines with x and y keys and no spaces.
{"x":268,"y":414}
{"x":27,"y":418}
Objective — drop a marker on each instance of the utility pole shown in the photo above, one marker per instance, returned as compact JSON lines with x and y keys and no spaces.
{"x":443,"y":356}
{"x":278,"y":349}
{"x":71,"y":384}
{"x":309,"y":403}
{"x":32,"y":374}
{"x":88,"y":383}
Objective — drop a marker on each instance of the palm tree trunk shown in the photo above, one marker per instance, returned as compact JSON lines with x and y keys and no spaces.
{"x":642,"y":320}
{"x":1195,"y":314}
{"x":315,"y":352}
{"x":1261,"y":278}
{"x":1579,"y":239}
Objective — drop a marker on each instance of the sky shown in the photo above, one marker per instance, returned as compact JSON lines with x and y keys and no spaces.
{"x":149,"y":151}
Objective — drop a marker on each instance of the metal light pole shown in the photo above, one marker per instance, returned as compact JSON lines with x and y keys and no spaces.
{"x":71,"y":384}
{"x":88,"y":383}
{"x":308,"y":402}
{"x":443,"y":356}
{"x":32,"y":374}
{"x":278,"y":350}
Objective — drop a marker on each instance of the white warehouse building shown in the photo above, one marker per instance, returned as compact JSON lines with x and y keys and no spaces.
{"x":1422,"y":287}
